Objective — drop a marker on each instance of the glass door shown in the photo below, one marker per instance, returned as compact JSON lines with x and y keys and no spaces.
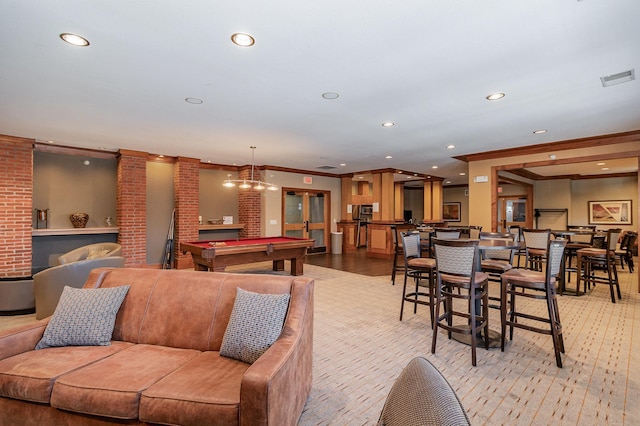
{"x":306,"y":215}
{"x":512,"y":211}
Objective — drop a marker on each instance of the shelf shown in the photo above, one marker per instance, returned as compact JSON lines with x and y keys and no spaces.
{"x":221,"y":227}
{"x":73,"y":231}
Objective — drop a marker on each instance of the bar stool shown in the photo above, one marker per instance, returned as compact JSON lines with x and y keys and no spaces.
{"x":419,"y":268}
{"x":456,"y":263}
{"x":625,"y":252}
{"x":535,"y":242}
{"x":539,"y":285}
{"x":592,"y":259}
{"x":398,"y":254}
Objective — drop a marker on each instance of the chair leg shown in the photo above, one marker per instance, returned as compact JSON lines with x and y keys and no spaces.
{"x":436,"y":317}
{"x":473,"y":323}
{"x":503,"y":312}
{"x":404,"y":291}
{"x":554,"y":329}
{"x":617,"y":282}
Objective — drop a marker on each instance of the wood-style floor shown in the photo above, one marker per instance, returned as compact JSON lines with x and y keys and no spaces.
{"x":357,"y":263}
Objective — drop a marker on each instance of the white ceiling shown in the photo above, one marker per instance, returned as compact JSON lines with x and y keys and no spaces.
{"x":426,"y":65}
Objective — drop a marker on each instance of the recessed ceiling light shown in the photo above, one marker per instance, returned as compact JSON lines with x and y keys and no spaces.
{"x":400,"y":171}
{"x":343,"y":164}
{"x":448,"y":181}
{"x":242,"y":39}
{"x":388,"y":124}
{"x":195,"y":101}
{"x":360,"y":177}
{"x":434,"y":167}
{"x":600,"y":164}
{"x":539,"y":132}
{"x":50,"y":142}
{"x":605,"y":168}
{"x":462,"y":174}
{"x":74,"y":39}
{"x":450,"y":146}
{"x":330,"y":95}
{"x":388,"y":156}
{"x":495,"y":96}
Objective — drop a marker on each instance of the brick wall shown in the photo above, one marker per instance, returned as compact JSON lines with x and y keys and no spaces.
{"x":131,"y":206}
{"x":16,"y":206}
{"x":249,"y":207}
{"x":186,"y":182}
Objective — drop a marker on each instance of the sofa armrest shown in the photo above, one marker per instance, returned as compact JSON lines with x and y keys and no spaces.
{"x":275,"y":388}
{"x":21,"y":339}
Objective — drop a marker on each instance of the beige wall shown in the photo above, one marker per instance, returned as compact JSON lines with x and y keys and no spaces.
{"x":216,"y":200}
{"x":64,"y":185}
{"x":480,"y":193}
{"x":159,"y":209}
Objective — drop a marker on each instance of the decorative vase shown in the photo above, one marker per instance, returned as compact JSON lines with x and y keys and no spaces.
{"x":79,"y":220}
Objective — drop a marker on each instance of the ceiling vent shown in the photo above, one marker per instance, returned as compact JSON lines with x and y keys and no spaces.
{"x":327,"y":167}
{"x":621,"y":77}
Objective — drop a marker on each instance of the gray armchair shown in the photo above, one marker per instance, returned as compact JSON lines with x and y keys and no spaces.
{"x":91,"y":251}
{"x":422,"y":396}
{"x":48,"y":284}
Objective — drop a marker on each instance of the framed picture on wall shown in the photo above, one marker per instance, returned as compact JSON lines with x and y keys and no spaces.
{"x":451,"y":212}
{"x":610,"y":212}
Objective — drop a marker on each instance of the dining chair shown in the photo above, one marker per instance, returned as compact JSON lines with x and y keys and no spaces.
{"x":445,"y":233}
{"x":419,"y":269}
{"x":538,"y":285}
{"x":456,"y":264}
{"x":535,"y":242}
{"x":474,"y":232}
{"x":496,"y":262}
{"x":592,"y":259}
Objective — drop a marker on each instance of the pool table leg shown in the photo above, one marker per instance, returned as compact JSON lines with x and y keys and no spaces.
{"x":278,"y":265}
{"x":297,"y":264}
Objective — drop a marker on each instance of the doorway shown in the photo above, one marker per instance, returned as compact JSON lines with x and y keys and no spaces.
{"x":306,"y":215}
{"x":512,"y":211}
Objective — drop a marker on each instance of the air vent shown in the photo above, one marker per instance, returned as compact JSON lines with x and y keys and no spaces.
{"x":327,"y":167}
{"x":621,"y":77}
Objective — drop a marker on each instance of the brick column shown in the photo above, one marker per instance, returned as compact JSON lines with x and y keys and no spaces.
{"x":131,"y":206}
{"x":186,"y":183}
{"x":16,"y":206}
{"x":249,"y":207}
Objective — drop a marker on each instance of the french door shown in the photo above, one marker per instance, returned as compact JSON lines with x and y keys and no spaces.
{"x":512,"y":211}
{"x":306,"y":215}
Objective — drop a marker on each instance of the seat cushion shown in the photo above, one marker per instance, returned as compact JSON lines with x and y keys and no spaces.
{"x":464,"y":281}
{"x":422,"y":263}
{"x":495,"y":265}
{"x":30,"y":375}
{"x":525,"y":278}
{"x":180,"y":398}
{"x":111,"y":387}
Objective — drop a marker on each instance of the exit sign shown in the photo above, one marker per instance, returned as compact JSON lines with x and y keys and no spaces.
{"x":307,"y":180}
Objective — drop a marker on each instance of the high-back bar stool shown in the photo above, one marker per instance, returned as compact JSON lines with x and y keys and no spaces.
{"x":538,"y":285}
{"x":456,"y":263}
{"x":592,"y":259}
{"x":420,"y":269}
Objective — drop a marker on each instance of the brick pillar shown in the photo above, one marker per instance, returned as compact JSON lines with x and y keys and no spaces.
{"x":249,"y":207}
{"x":16,"y":206}
{"x":131,"y":206}
{"x":186,"y":183}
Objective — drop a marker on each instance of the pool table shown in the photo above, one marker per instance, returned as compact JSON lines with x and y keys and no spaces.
{"x":215,"y":255}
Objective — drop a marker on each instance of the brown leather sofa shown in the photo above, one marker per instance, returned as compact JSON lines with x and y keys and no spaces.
{"x":163,"y":365}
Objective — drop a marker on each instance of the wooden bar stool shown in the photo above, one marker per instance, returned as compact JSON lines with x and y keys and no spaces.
{"x":592,"y":259}
{"x":419,"y":269}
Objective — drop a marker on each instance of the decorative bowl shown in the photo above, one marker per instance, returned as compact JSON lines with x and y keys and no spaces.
{"x":79,"y":220}
{"x":215,"y":221}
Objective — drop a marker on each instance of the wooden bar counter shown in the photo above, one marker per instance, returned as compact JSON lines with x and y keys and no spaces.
{"x":380,"y":237}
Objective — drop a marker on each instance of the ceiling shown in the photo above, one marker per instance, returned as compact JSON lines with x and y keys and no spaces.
{"x":426,"y":66}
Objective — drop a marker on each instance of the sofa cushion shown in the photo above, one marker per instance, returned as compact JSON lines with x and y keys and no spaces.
{"x":256,"y":322}
{"x":180,"y":397}
{"x":111,"y":387}
{"x":83,"y":317}
{"x":30,"y":375}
